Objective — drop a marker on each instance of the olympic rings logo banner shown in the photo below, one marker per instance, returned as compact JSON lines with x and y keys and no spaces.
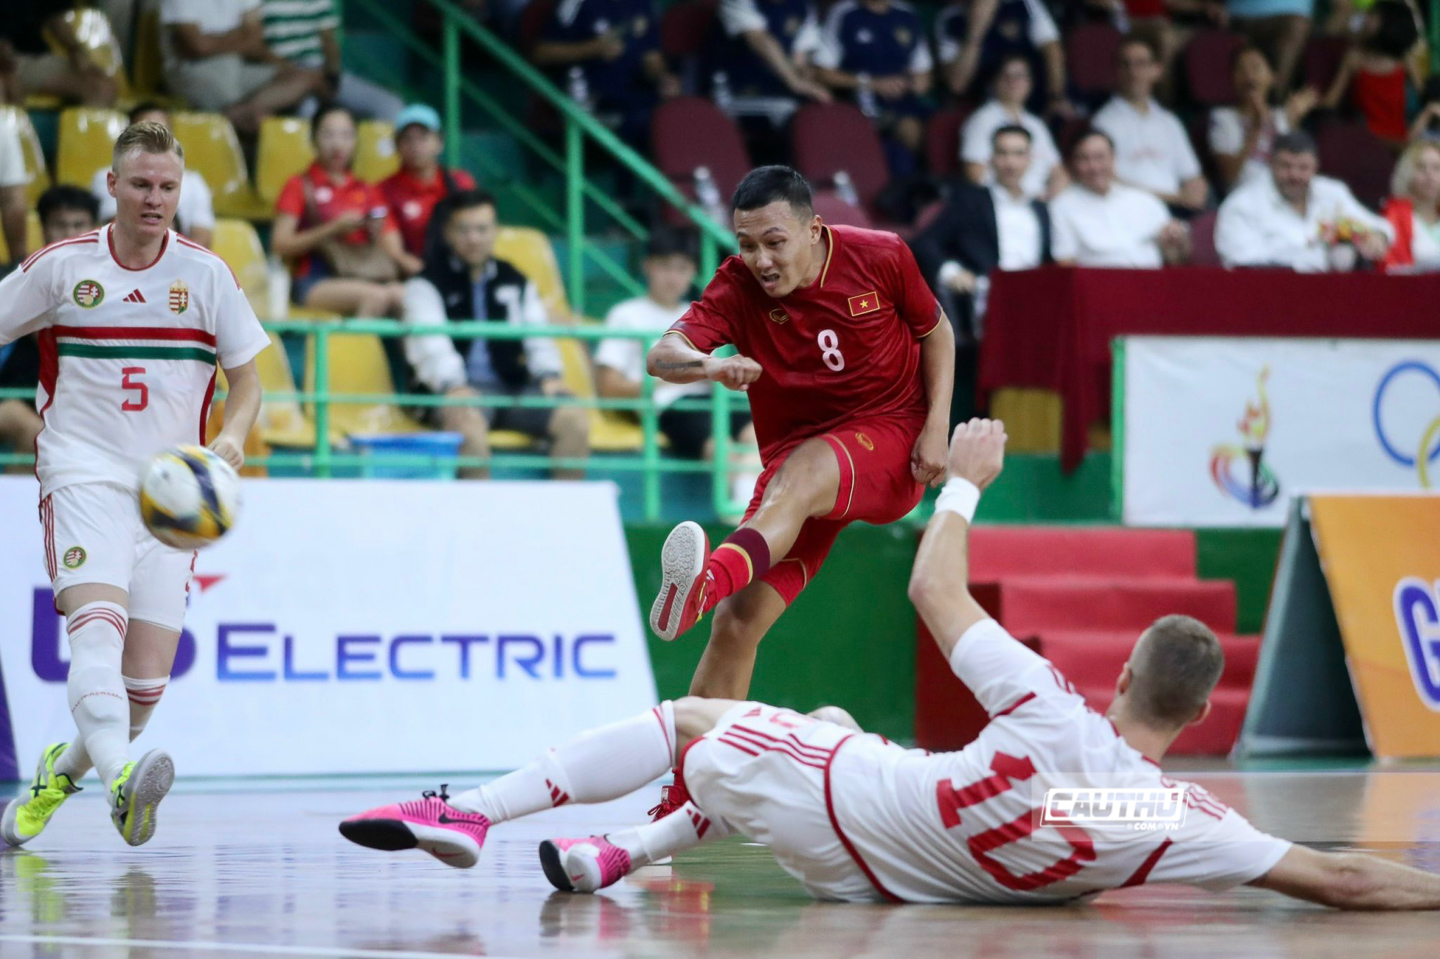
{"x":1225,"y":431}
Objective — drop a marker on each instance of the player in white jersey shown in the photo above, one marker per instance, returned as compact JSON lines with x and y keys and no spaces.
{"x":133,"y":320}
{"x":856,"y":818}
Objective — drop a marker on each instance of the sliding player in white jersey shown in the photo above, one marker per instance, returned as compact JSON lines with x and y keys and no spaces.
{"x":133,"y":320}
{"x":857,"y":818}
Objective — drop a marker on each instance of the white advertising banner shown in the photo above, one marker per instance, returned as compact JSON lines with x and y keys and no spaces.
{"x":1223,"y":432}
{"x":365,"y":626}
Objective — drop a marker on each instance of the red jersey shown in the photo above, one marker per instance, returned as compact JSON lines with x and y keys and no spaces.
{"x":845,"y":348}
{"x":412,"y":200}
{"x":330,"y":201}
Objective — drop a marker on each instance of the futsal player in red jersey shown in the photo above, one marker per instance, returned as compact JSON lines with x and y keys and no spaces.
{"x":848,"y":361}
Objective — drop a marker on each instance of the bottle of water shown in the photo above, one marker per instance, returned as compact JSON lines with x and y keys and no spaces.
{"x":720,"y":90}
{"x":577,"y":86}
{"x":845,"y":188}
{"x":708,"y":194}
{"x":865,"y":98}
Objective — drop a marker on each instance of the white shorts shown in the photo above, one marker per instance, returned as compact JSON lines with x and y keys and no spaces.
{"x":766,"y":772}
{"x":94,"y":534}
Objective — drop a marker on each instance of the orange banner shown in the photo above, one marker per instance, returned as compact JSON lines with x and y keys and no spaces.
{"x":1381,"y":557}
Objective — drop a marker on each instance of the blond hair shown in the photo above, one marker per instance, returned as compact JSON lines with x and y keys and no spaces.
{"x":1405,"y":168}
{"x":146,"y":137}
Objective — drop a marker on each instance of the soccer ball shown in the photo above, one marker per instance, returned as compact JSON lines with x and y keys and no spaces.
{"x":189,"y":497}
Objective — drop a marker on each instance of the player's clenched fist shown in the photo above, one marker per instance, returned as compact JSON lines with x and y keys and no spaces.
{"x":734,"y":372}
{"x":228,"y":450}
{"x":977,"y":451}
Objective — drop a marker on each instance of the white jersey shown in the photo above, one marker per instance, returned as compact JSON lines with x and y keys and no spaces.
{"x":127,"y":357}
{"x":965,"y":826}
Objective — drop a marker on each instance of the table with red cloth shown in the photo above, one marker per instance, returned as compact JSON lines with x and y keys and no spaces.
{"x":1052,"y":328}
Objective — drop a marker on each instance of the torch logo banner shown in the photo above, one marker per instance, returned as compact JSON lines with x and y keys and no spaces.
{"x":1241,"y":471}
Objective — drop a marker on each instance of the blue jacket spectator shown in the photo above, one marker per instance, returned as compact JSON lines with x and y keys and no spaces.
{"x":973,"y":40}
{"x":769,"y":49}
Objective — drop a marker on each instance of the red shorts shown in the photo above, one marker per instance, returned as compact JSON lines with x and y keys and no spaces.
{"x":876,"y":486}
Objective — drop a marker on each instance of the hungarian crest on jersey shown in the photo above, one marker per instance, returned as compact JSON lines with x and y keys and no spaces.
{"x":179,"y":297}
{"x":88,"y":294}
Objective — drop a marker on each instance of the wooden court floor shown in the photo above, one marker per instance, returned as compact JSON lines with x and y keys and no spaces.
{"x":258,"y":869}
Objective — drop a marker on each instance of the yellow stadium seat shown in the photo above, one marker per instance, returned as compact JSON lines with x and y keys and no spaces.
{"x":147,"y":78}
{"x":213,"y":150}
{"x":358,"y":365}
{"x":34,"y":237}
{"x":375,"y":156}
{"x":530,"y":252}
{"x":87,"y":137}
{"x":284,"y":150}
{"x":15,"y":119}
{"x":1032,"y":418}
{"x":237,"y":243}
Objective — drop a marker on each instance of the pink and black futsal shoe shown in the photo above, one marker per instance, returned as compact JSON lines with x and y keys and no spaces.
{"x":430,"y":824}
{"x":682,"y":581}
{"x":583,"y":865}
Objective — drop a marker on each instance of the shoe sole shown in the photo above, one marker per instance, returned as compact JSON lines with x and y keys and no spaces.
{"x":682,"y":560}
{"x":552,"y":860}
{"x":394,"y":835}
{"x":150,"y":782}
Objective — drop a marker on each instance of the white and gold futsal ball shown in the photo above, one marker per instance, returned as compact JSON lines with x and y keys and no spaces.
{"x":189,"y":497}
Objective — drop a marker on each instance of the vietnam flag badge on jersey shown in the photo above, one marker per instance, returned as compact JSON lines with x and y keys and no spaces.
{"x":864,"y":303}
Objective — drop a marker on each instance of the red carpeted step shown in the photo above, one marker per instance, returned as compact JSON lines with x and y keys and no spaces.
{"x":1093,"y":658}
{"x":1033,"y":605}
{"x":1002,"y":551}
{"x":1213,"y":737}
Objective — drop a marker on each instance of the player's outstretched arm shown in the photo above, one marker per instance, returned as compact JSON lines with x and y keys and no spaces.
{"x":242,"y":405}
{"x":674,"y":360}
{"x":1351,"y":881}
{"x":939,"y":581}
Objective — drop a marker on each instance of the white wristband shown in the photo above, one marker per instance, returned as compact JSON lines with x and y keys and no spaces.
{"x":959,"y":496}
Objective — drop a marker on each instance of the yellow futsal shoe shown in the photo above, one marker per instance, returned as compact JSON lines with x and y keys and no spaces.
{"x":27,"y":814}
{"x":137,"y":792}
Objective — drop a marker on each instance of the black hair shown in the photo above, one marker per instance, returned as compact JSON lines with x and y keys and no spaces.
{"x":147,"y":106}
{"x":462,"y":200}
{"x":671,"y":241}
{"x":1087,"y":134}
{"x":1247,"y":48}
{"x":67,"y":198}
{"x":1010,"y":58}
{"x":1297,"y":141}
{"x":765,"y":185}
{"x":1135,"y":40}
{"x":1396,"y":32}
{"x":325,"y":110}
{"x":1009,"y":128}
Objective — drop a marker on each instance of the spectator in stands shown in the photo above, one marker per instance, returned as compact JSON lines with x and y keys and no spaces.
{"x":216,"y":58}
{"x":338,"y":233}
{"x":195,"y":216}
{"x":64,"y":211}
{"x":1375,"y":74}
{"x":1279,"y":27}
{"x":1044,"y":173}
{"x":1242,"y":136}
{"x":607,"y":53}
{"x":772,"y":42}
{"x":1166,"y":25}
{"x":463,"y":281}
{"x":28,"y":65}
{"x":1279,"y":220}
{"x":669,"y":269}
{"x":875,"y":52}
{"x":1152,"y":150}
{"x":1099,"y":221}
{"x":1414,"y":208}
{"x":421,"y":182}
{"x":976,"y":40}
{"x":304,"y":33}
{"x":13,"y":180}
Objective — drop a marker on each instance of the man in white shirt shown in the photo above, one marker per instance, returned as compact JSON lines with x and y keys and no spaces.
{"x":1044,"y":173}
{"x":195,"y":216}
{"x":1278,"y":220}
{"x":1099,"y":221}
{"x":1152,"y":151}
{"x":669,"y":268}
{"x":216,"y":58}
{"x":13,"y":180}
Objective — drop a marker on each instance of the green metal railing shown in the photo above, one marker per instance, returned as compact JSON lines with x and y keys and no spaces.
{"x":578,"y":127}
{"x":325,"y":458}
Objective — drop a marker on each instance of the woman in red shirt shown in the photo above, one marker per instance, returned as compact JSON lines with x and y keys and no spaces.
{"x":1375,"y":72}
{"x":337,"y":232}
{"x":1414,"y":209}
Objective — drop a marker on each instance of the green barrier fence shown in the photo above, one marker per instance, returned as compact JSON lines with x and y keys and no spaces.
{"x":326,"y":457}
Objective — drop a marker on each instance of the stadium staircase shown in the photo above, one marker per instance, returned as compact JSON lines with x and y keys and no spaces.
{"x":1080,"y":596}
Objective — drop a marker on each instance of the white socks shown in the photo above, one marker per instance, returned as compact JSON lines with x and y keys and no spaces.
{"x":685,"y":828}
{"x":98,"y":699}
{"x":603,"y":764}
{"x":144,"y":695}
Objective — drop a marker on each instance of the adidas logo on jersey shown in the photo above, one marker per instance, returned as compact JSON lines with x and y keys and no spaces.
{"x":135,"y":297}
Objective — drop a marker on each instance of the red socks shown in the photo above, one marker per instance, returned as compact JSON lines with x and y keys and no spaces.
{"x":743,"y":558}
